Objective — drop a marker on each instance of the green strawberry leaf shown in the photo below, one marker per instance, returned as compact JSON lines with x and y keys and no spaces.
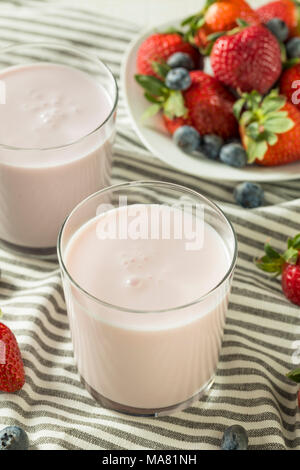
{"x":152,"y":85}
{"x":241,"y":23}
{"x":291,"y":255}
{"x":271,"y":138}
{"x":253,"y":130}
{"x":278,"y":124}
{"x":256,"y":150}
{"x":200,"y":22}
{"x":273,"y":103}
{"x":269,"y":265}
{"x":270,"y":252}
{"x":295,"y":242}
{"x":238,"y":107}
{"x":294,"y":375}
{"x":174,"y":105}
{"x":214,"y":36}
{"x":161,"y":69}
{"x":151,"y":111}
{"x":188,"y":20}
{"x":154,"y":99}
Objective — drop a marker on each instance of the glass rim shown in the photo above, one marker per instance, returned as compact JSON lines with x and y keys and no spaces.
{"x":146,"y":183}
{"x":78,"y":51}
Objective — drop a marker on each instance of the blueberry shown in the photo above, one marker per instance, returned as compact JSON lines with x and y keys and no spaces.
{"x":187,"y":138}
{"x":249,"y":195}
{"x":180,"y":59}
{"x":279,"y":28}
{"x":234,"y":155}
{"x":293,"y":48}
{"x":178,"y":79}
{"x":235,"y":438}
{"x":211,"y":146}
{"x":13,"y":438}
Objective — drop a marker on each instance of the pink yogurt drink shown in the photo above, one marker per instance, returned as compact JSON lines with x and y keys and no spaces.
{"x":56,"y":133}
{"x":146,"y":303}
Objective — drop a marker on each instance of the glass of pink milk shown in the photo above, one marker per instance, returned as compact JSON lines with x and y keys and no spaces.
{"x":147,"y":269}
{"x":57,"y":123}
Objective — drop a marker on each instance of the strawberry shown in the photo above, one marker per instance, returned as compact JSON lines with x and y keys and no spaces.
{"x":218,"y":16}
{"x":12,"y":376}
{"x":159,"y":47}
{"x":289,"y":85}
{"x":172,"y":124}
{"x":286,"y":264}
{"x":286,"y":10}
{"x":269,"y":128}
{"x":205,"y":105}
{"x":210,"y":106}
{"x":249,"y":59}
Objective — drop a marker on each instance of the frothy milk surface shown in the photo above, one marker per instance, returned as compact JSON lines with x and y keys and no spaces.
{"x":49,"y":105}
{"x":146,"y":274}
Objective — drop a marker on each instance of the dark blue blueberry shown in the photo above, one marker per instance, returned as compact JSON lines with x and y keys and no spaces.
{"x":235,"y":438}
{"x":13,"y":438}
{"x":187,"y":138}
{"x":279,"y":28}
{"x":181,"y":59}
{"x":293,"y":48}
{"x":178,"y":79}
{"x":233,"y":155}
{"x":211,"y":146}
{"x":249,"y":195}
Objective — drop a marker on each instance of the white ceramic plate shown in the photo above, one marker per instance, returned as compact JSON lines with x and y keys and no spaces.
{"x":154,"y":136}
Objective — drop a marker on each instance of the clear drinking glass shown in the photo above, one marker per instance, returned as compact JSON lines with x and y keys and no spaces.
{"x":146,"y":362}
{"x":40,"y":186}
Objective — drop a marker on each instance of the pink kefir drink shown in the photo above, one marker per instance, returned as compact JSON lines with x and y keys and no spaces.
{"x":56,"y":133}
{"x":147,"y":289}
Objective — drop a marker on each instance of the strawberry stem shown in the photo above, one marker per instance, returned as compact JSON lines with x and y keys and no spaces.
{"x":273,"y":261}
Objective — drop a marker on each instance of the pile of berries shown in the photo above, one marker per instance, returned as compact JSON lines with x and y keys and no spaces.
{"x":247,"y":111}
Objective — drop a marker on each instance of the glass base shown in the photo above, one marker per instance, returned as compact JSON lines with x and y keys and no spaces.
{"x":27,"y":251}
{"x":145,"y":412}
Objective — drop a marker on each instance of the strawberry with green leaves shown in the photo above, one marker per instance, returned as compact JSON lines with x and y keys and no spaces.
{"x":159,"y":47}
{"x":269,"y":128}
{"x":205,"y":104}
{"x":287,"y":264}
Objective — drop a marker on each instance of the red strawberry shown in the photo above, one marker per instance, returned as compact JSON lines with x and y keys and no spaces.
{"x":159,"y":47}
{"x":286,"y":264}
{"x":222,"y":15}
{"x":205,"y":105}
{"x":290,"y":85}
{"x":173,"y":124}
{"x":283,"y":9}
{"x":247,"y":60}
{"x":269,"y":128}
{"x":210,"y":106}
{"x":12,"y":376}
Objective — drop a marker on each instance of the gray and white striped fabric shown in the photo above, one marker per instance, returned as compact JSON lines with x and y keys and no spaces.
{"x":261,"y":329}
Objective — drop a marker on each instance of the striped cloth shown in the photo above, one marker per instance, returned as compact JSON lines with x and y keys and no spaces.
{"x":261,"y":329}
